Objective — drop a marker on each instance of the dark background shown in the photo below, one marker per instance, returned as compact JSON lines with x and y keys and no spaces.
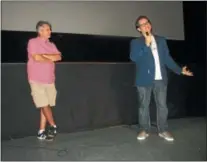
{"x":95,"y":82}
{"x":84,"y":48}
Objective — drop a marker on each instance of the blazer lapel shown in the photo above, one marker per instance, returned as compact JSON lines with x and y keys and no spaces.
{"x":157,"y":41}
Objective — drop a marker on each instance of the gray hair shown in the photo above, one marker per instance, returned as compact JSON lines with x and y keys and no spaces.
{"x":41,"y":23}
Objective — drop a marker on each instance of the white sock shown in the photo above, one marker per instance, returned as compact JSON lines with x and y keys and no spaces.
{"x":54,"y":126}
{"x":41,"y":131}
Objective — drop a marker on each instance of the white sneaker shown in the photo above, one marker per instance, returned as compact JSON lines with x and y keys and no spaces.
{"x":142,"y":135}
{"x":167,"y":136}
{"x":43,"y":136}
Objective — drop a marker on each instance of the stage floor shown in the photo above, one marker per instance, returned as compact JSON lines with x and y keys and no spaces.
{"x":114,"y":143}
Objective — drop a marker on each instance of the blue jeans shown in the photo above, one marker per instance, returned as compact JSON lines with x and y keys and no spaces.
{"x":159,"y":90}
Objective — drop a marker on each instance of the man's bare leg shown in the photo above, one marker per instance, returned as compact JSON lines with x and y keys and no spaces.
{"x":43,"y":120}
{"x":42,"y":133}
{"x":47,"y":112}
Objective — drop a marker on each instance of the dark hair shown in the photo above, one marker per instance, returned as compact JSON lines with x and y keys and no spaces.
{"x":41,"y":23}
{"x":139,"y":18}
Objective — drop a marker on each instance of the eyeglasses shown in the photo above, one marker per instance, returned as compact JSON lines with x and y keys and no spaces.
{"x":146,"y":23}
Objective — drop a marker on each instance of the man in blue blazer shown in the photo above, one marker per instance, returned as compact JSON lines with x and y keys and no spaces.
{"x":151,"y":56}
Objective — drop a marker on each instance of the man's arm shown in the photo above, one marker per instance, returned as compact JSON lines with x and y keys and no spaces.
{"x":32,"y":52}
{"x":53,"y":57}
{"x":136,"y":51}
{"x":46,"y":57}
{"x":169,"y":62}
{"x":40,"y":58}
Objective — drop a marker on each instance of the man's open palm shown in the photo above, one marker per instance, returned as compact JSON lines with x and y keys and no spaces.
{"x":186,"y":72}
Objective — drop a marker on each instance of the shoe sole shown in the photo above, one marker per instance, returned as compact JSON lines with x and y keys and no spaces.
{"x":143,"y":138}
{"x":49,"y":139}
{"x":167,"y":139}
{"x":52,"y":136}
{"x":45,"y":139}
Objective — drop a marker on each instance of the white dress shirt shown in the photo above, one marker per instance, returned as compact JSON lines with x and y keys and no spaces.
{"x":153,"y":46}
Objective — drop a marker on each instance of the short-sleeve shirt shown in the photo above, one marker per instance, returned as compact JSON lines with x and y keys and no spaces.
{"x":41,"y":72}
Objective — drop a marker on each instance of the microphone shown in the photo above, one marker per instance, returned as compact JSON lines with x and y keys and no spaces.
{"x":147,"y":34}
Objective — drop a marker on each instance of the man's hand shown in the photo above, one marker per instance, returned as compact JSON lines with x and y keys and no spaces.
{"x":186,"y":72}
{"x":148,"y":39}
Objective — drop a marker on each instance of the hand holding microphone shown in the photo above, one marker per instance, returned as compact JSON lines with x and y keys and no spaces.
{"x":148,"y":38}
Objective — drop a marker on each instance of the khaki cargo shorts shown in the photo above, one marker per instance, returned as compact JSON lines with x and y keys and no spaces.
{"x":43,"y":94}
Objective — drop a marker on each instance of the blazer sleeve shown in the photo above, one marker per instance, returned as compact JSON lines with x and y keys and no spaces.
{"x":137,"y":50}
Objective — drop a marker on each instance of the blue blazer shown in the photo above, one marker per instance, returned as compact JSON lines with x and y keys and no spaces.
{"x":144,"y":60}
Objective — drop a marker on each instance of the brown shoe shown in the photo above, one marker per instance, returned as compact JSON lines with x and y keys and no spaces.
{"x":167,"y":136}
{"x":142,"y":135}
